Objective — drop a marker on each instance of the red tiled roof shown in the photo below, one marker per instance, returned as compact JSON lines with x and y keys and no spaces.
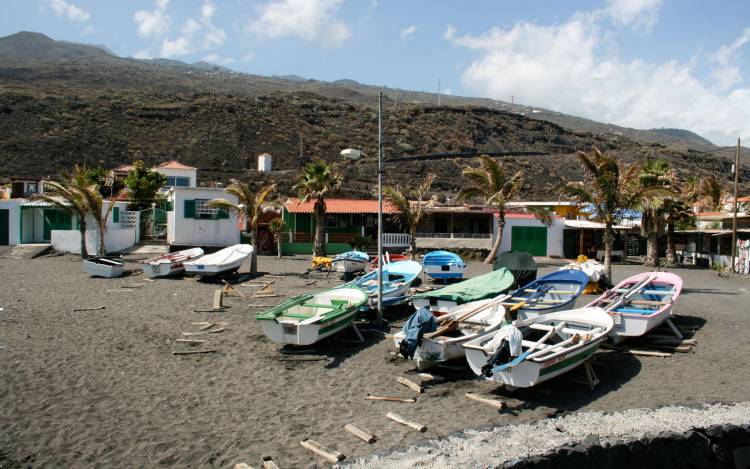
{"x":710,"y":214}
{"x":526,"y":215}
{"x":294,"y":205}
{"x":173,"y":164}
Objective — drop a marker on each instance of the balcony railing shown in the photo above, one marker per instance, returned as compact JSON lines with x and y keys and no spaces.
{"x":455,"y":235}
{"x":390,"y":240}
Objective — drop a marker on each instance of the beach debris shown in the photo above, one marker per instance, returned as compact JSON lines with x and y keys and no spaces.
{"x":254,"y":305}
{"x":121,"y":290}
{"x":403,"y":421}
{"x":192,"y":352}
{"x":430,"y":377}
{"x":242,"y":465}
{"x":94,"y":308}
{"x":301,"y":359}
{"x":134,"y":285}
{"x":645,"y":353}
{"x":359,"y":433}
{"x":298,"y":351}
{"x":410,"y":384}
{"x":268,"y":463}
{"x":215,"y":331}
{"x":191,"y":341}
{"x":408,"y":400}
{"x":230,"y":290}
{"x":311,"y":282}
{"x":217,"y":299}
{"x":332,"y":456}
{"x":205,"y":326}
{"x":494,"y":403}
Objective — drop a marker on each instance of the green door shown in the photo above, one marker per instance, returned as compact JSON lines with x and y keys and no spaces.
{"x":4,"y":227}
{"x":529,"y":239}
{"x":54,"y":220}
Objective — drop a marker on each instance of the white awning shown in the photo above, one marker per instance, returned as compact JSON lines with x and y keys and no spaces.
{"x":595,"y":225}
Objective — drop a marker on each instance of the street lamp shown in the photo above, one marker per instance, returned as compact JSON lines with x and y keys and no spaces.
{"x":354,"y":155}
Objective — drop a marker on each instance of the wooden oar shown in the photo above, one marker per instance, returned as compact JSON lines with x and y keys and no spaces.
{"x":452,"y":323}
{"x":629,"y":292}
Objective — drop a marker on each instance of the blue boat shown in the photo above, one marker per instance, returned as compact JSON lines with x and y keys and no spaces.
{"x":443,"y":265}
{"x":351,"y":261}
{"x":397,"y":278}
{"x":557,"y":291}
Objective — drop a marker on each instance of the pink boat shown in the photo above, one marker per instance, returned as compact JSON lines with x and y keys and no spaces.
{"x":640,"y":303}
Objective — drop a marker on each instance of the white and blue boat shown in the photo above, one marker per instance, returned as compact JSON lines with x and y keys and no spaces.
{"x":350,"y":262}
{"x":553,"y":292}
{"x":443,"y":265}
{"x":397,"y":278}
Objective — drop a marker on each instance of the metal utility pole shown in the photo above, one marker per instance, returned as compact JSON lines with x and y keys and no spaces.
{"x":734,"y":214}
{"x":379,"y":320}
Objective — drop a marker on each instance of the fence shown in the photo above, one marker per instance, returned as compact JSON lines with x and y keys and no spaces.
{"x":455,"y":235}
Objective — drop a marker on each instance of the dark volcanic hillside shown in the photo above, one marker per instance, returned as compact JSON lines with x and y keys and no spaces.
{"x":99,"y":109}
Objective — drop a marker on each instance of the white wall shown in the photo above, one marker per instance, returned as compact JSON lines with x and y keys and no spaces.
{"x":195,"y":232}
{"x":115,"y":240}
{"x":14,"y":214}
{"x":191,"y":173}
{"x":554,"y":233}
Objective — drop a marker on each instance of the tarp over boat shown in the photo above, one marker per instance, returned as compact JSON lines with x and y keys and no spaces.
{"x":474,"y":289}
{"x":521,"y":264}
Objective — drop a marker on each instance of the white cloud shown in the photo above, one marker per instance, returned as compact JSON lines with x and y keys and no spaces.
{"x":408,"y":31}
{"x":636,"y":13}
{"x":191,"y":27}
{"x":69,"y":10}
{"x":566,"y":67}
{"x":213,"y":58}
{"x":249,"y":55}
{"x":310,"y":20}
{"x":177,"y":47}
{"x":143,"y":54}
{"x":153,"y":23}
{"x":450,"y":31}
{"x":89,"y":30}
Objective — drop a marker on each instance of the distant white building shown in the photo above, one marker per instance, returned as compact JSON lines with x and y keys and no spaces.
{"x":192,"y":222}
{"x":177,"y":174}
{"x":264,"y":162}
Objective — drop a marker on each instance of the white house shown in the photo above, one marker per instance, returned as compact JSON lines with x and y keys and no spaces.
{"x":177,"y":174}
{"x":192,"y":222}
{"x":524,"y":232}
{"x":24,"y":221}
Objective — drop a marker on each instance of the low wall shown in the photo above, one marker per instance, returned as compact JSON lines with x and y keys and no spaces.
{"x":720,"y":446}
{"x":307,"y":248}
{"x":454,"y":243}
{"x":115,"y":240}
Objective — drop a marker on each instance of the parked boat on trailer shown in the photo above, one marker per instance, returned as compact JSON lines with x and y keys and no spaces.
{"x":443,"y":265}
{"x":350,"y":262}
{"x":534,"y":350}
{"x":397,"y":279}
{"x":170,"y":263}
{"x":309,"y":318}
{"x":557,"y":291}
{"x":446,"y":299}
{"x":107,"y":267}
{"x":640,"y":303}
{"x":221,"y":262}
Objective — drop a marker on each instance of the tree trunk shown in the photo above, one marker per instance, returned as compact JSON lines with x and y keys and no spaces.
{"x":608,"y":242}
{"x":413,"y":244}
{"x":671,"y":251}
{"x":498,"y":240}
{"x":652,"y":249}
{"x":254,"y":255}
{"x":319,"y":246}
{"x":102,"y":233}
{"x":82,"y":229}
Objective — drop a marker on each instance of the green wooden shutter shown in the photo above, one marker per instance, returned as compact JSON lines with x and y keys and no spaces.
{"x":189,"y":209}
{"x":222,"y":214}
{"x":116,"y":215}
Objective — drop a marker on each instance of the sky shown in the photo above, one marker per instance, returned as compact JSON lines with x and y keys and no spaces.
{"x":636,"y":63}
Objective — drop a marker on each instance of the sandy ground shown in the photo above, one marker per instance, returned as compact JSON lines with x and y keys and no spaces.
{"x":102,"y":388}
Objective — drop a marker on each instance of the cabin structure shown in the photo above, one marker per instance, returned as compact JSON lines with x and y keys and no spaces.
{"x":191,"y":221}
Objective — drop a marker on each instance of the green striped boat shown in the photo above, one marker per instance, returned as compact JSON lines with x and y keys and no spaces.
{"x":309,"y":318}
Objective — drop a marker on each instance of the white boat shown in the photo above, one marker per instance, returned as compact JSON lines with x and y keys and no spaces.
{"x":640,"y":303}
{"x":350,"y":262}
{"x":170,"y":263}
{"x":551,"y":345}
{"x":443,"y":265}
{"x":221,"y":262}
{"x":107,"y":267}
{"x":309,"y":318}
{"x":471,"y":320}
{"x":397,"y":279}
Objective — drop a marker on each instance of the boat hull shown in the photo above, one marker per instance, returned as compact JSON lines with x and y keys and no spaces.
{"x":288,"y":332}
{"x":211,"y":270}
{"x":162,"y":269}
{"x":444,"y":272}
{"x":630,"y":325}
{"x":348,"y":266}
{"x":105,"y":268}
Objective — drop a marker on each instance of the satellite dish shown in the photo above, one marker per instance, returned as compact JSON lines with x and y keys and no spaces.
{"x":352,"y":154}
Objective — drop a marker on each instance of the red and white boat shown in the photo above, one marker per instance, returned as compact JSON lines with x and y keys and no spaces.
{"x":170,"y":263}
{"x":389,"y":258}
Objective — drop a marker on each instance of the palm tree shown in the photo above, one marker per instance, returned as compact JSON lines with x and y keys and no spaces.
{"x":68,"y":196}
{"x":490,"y":183}
{"x":709,"y":194}
{"x":95,"y":202}
{"x":408,"y":214}
{"x":656,"y":174}
{"x":276,"y":226}
{"x":608,"y":188}
{"x":248,"y":208}
{"x":677,"y":212}
{"x":317,"y":181}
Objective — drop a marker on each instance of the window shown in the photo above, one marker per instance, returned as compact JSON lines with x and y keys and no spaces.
{"x":178,"y":181}
{"x":331,"y":221}
{"x":31,"y":188}
{"x":203,"y":210}
{"x":116,"y":215}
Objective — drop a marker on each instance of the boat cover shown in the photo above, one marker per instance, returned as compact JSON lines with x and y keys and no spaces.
{"x":521,"y":265}
{"x":353,"y":256}
{"x":419,"y":323}
{"x":478,"y":288}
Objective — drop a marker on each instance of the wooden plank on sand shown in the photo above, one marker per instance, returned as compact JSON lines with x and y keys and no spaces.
{"x":217,"y":299}
{"x":361,"y":434}
{"x":494,"y":403}
{"x":332,"y":456}
{"x":89,"y":309}
{"x":410,"y":384}
{"x":192,"y":352}
{"x":403,"y":421}
{"x":408,"y":400}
